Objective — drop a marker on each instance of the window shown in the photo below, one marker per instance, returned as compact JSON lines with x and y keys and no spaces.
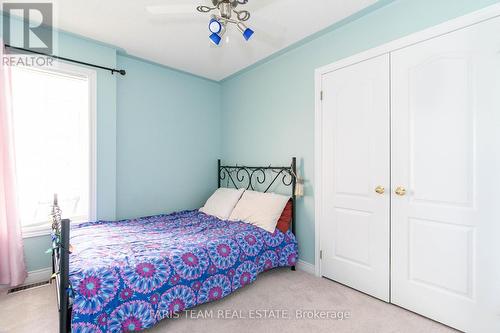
{"x":53,"y":143}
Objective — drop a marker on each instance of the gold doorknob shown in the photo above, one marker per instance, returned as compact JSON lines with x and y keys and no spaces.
{"x":400,"y":190}
{"x":380,"y":189}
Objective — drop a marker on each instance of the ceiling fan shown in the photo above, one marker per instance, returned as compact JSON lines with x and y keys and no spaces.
{"x":226,"y":13}
{"x":223,"y":14}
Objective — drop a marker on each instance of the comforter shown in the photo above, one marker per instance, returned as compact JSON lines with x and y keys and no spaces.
{"x":127,"y":275}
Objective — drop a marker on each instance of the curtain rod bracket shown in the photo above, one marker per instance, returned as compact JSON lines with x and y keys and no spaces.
{"x":120,"y":71}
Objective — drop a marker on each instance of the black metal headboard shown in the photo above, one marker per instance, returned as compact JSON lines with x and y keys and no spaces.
{"x":252,"y":178}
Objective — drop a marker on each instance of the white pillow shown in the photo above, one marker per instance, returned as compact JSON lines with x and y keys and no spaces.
{"x":222,"y":202}
{"x":260,"y":209}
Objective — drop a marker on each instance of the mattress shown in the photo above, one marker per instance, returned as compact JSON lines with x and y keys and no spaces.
{"x":128,"y":275}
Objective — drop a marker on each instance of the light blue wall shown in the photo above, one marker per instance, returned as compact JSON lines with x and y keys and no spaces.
{"x":168,"y":139}
{"x":268,"y":109}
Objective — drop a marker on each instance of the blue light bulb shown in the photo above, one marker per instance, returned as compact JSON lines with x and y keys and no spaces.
{"x":214,"y":26}
{"x":215,"y":38}
{"x":247,"y":34}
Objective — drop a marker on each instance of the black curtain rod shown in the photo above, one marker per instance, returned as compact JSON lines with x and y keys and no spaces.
{"x":112,"y":70}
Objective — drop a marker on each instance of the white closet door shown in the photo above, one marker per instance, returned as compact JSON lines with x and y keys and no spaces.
{"x":446,"y":155}
{"x":355,"y":145}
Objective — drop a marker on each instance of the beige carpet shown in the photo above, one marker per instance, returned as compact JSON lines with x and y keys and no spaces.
{"x":280,"y":292}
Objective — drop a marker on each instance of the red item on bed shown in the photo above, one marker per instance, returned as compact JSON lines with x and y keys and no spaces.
{"x":285,"y":218}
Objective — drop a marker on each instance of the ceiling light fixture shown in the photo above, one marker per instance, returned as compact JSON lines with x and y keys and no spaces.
{"x":226,"y":9}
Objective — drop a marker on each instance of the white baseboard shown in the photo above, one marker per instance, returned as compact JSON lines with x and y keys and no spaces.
{"x":40,"y":275}
{"x":305,"y":266}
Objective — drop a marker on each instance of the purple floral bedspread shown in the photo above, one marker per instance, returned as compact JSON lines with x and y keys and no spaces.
{"x":128,"y":275}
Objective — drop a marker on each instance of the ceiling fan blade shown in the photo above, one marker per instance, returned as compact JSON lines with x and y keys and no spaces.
{"x":159,"y":20}
{"x":255,"y":5}
{"x":261,"y":23}
{"x":270,"y":38}
{"x":185,"y":9}
{"x":171,"y":9}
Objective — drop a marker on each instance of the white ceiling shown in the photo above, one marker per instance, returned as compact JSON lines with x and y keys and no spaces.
{"x":181,"y":40}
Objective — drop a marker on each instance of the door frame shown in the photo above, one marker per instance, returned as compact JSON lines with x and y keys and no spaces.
{"x":418,"y":37}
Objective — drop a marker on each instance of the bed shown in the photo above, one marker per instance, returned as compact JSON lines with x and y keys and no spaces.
{"x":121,"y":276}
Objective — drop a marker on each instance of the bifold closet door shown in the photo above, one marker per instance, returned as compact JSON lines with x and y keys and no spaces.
{"x":355,"y":163}
{"x":446,"y":172}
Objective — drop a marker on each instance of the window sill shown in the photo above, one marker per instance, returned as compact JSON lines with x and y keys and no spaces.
{"x":46,"y":229}
{"x":41,"y":230}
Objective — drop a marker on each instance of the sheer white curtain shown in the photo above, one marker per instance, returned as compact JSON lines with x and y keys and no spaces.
{"x":12,"y":266}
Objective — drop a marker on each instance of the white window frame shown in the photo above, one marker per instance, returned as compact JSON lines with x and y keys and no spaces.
{"x":91,"y":76}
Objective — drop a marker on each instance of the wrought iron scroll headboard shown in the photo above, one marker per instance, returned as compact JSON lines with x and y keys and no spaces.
{"x":254,"y":178}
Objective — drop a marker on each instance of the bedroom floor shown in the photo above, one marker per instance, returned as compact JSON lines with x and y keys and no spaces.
{"x":280,"y":290}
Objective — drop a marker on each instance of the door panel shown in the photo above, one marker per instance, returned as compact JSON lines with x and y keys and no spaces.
{"x":355,"y":219}
{"x":445,"y":153}
{"x":447,"y":125}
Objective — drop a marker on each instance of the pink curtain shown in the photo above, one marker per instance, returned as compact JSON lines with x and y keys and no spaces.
{"x":12,"y":267}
